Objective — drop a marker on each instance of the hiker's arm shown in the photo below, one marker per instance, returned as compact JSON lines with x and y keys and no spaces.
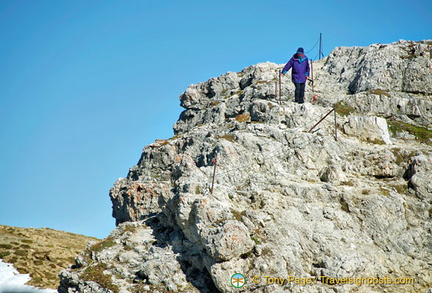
{"x":287,"y":66}
{"x":307,"y":69}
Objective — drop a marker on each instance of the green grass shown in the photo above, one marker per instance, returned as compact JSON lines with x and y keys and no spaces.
{"x":4,"y":254}
{"x":375,"y":141}
{"x":385,"y":191}
{"x":343,"y":109}
{"x":403,"y":156}
{"x":380,"y":92}
{"x":96,"y":274}
{"x":255,"y":239}
{"x":422,"y":134}
{"x":400,"y":188}
{"x":6,"y":246}
{"x":98,"y":247}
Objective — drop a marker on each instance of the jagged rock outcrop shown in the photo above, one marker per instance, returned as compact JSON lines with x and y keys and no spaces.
{"x":287,"y":202}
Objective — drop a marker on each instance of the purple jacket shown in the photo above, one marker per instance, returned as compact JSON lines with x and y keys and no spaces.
{"x":300,"y":68}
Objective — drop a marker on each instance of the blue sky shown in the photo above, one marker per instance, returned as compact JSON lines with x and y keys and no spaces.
{"x":85,"y":85}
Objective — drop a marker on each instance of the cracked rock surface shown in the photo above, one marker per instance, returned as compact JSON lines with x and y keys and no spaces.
{"x":286,"y":201}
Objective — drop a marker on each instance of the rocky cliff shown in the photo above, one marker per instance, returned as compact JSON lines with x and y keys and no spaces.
{"x":292,"y":209}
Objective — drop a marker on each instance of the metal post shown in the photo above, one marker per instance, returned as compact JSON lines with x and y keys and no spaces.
{"x":335,"y":126}
{"x":214,"y":174}
{"x":314,"y":97}
{"x":320,"y":53}
{"x":311,"y":67}
{"x":280,"y":91}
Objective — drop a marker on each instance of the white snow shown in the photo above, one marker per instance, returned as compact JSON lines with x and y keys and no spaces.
{"x":13,"y":282}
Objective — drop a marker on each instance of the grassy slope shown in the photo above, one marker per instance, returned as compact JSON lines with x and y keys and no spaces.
{"x":42,"y":253}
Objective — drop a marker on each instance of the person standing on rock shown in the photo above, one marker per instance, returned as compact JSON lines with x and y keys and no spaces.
{"x":300,"y":73}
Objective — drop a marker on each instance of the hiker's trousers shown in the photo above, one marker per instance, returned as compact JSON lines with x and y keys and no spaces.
{"x":299,"y":92}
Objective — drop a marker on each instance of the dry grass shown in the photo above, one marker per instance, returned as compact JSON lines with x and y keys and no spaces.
{"x":42,"y":253}
{"x":229,"y":137}
{"x":343,"y":109}
{"x":243,"y":117}
{"x":96,"y":273}
{"x":380,"y":92}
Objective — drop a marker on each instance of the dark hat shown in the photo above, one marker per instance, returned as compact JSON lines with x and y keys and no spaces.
{"x":300,"y":50}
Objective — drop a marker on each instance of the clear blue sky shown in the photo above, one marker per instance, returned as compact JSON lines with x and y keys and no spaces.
{"x":85,"y":85}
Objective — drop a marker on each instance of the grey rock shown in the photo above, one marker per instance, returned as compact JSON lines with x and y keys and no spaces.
{"x":286,"y":201}
{"x":367,"y":128}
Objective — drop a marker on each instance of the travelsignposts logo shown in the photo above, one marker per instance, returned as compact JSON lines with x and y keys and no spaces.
{"x":238,"y":280}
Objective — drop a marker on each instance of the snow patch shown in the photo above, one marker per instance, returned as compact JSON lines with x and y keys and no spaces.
{"x":11,"y":281}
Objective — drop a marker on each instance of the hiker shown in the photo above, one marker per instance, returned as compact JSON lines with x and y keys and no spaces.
{"x":300,"y":73}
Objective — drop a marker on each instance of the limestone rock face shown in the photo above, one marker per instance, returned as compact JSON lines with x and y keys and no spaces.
{"x":247,"y":185}
{"x":401,"y":67}
{"x":368,"y":128}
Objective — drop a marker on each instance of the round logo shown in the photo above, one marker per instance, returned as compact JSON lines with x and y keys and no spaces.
{"x":238,"y":280}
